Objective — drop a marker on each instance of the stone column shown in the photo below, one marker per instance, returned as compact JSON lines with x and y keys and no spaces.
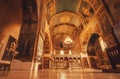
{"x":27,"y":37}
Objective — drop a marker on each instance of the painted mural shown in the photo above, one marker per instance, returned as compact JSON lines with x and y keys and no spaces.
{"x":86,"y":10}
{"x":50,"y":8}
{"x":10,"y":49}
{"x":25,"y":48}
{"x":114,"y":7}
{"x":28,"y":31}
{"x":104,"y":21}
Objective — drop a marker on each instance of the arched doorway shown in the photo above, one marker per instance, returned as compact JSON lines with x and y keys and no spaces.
{"x":96,"y":51}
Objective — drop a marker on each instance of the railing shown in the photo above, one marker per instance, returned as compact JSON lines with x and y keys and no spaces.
{"x":114,"y":56}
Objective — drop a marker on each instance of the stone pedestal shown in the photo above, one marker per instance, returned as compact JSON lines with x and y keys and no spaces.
{"x":18,"y":65}
{"x":20,"y":70}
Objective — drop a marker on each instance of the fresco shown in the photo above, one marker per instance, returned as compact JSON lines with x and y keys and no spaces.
{"x":28,"y":31}
{"x":9,"y":49}
{"x":114,"y":7}
{"x":104,"y":21}
{"x":86,"y":10}
{"x":50,"y":8}
{"x":26,"y":47}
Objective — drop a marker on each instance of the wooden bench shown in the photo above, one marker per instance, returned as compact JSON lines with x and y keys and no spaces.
{"x":114,"y":56}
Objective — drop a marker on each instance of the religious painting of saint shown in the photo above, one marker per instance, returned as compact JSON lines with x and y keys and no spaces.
{"x":9,"y":49}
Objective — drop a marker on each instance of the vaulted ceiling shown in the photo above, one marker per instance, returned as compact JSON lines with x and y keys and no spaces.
{"x":67,"y":19}
{"x":65,"y":25}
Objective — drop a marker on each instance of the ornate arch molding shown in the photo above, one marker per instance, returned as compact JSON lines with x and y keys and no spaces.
{"x":66,"y":17}
{"x":87,"y":36}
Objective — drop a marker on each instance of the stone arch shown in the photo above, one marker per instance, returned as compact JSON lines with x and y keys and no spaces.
{"x":95,"y":51}
{"x":92,"y":40}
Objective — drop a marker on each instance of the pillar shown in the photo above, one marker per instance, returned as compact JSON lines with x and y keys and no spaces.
{"x":27,"y":37}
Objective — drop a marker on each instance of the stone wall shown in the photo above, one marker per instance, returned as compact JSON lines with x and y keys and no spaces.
{"x":10,"y":21}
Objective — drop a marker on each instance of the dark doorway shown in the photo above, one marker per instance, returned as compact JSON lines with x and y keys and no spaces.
{"x":94,"y":50}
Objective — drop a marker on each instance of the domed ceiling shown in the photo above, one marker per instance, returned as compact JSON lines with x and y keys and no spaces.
{"x":67,"y":19}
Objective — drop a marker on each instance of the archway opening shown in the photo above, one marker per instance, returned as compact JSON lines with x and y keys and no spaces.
{"x":96,"y":52}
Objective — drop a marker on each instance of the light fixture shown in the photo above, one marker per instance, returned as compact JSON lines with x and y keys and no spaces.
{"x":54,"y":52}
{"x":68,"y":40}
{"x":70,"y":52}
{"x":61,"y":52}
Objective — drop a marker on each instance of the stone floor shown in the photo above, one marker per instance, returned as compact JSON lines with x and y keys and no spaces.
{"x":59,"y":74}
